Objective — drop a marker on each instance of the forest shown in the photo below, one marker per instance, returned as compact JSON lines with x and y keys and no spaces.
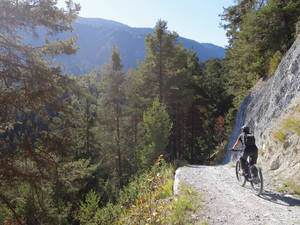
{"x":74,"y":149}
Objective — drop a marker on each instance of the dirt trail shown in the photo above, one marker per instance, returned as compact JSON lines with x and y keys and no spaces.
{"x":226,"y":202}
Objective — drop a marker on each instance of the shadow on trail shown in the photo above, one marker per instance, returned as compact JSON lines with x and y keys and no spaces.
{"x":280,"y":199}
{"x":267,"y":195}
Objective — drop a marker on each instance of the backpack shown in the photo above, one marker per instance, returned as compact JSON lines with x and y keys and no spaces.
{"x":249,"y":140}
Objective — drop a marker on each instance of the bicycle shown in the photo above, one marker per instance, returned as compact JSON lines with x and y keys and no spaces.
{"x":252,"y":174}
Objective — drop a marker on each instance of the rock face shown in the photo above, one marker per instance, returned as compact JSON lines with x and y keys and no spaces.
{"x":267,"y":108}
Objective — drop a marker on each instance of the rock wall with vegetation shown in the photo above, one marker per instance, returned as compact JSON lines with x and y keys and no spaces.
{"x":272,"y":110}
{"x":280,"y":149}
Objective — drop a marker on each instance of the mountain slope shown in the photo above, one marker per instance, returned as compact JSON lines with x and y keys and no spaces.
{"x":97,"y":36}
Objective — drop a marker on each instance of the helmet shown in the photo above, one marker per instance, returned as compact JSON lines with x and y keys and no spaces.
{"x":246,"y":129}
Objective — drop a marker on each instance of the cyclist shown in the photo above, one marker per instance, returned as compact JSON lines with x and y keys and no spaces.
{"x":250,"y":148}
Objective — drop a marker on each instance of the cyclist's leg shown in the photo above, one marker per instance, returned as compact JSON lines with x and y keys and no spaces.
{"x":254,"y":156}
{"x":243,"y":160}
{"x":253,"y":160}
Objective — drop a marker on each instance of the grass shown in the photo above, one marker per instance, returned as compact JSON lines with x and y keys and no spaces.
{"x":289,"y":124}
{"x":166,"y":190}
{"x":280,"y":135}
{"x":294,"y":187}
{"x":181,"y":207}
{"x":288,"y":187}
{"x":292,"y":124}
{"x":283,"y":189}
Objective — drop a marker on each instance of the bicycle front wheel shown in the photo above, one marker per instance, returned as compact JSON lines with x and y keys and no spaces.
{"x":257,"y":182}
{"x":239,"y":174}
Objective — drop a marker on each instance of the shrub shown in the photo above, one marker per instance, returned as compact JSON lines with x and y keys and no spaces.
{"x":142,"y":201}
{"x":88,"y":209}
{"x":274,"y":62}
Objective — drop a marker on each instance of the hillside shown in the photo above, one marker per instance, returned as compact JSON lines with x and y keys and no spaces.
{"x":71,"y":145}
{"x":97,"y":36}
{"x":78,"y":149}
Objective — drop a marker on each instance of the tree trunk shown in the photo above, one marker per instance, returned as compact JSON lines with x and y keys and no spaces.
{"x":193,"y":133}
{"x":160,"y":73}
{"x":87,"y":114}
{"x":118,"y":145}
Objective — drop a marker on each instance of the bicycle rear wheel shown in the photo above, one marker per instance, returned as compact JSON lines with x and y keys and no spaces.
{"x":239,"y":174}
{"x":257,"y":183}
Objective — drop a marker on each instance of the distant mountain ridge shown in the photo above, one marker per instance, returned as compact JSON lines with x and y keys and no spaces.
{"x":97,"y":36}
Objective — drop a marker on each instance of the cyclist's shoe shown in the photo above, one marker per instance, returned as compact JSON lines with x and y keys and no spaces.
{"x":256,"y":180}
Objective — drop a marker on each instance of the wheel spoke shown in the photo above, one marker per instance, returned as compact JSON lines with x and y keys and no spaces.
{"x":238,"y":171}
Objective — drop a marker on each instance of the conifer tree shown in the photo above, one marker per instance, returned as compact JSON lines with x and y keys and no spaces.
{"x":259,"y":32}
{"x":31,"y":92}
{"x":157,"y":131}
{"x":160,"y":49}
{"x":113,"y":95}
{"x":136,"y":104}
{"x":84,"y":121}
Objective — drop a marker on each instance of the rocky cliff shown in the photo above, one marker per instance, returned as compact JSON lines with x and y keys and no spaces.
{"x":272,"y":110}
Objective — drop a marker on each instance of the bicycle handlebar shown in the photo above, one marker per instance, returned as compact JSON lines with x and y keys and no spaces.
{"x":237,"y":150}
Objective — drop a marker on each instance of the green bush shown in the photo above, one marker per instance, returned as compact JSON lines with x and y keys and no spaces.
{"x":148,"y":199}
{"x":88,"y":209}
{"x":139,"y":202}
{"x":157,"y":126}
{"x":274,"y":62}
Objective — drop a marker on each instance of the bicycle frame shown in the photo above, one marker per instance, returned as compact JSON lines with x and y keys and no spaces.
{"x":254,"y":176}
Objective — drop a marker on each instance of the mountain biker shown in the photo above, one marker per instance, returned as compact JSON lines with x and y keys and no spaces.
{"x":250,"y":148}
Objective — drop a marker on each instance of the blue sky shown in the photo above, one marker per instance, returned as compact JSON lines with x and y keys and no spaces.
{"x":194,"y":19}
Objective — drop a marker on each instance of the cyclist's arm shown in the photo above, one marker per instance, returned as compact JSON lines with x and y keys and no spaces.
{"x":238,"y":141}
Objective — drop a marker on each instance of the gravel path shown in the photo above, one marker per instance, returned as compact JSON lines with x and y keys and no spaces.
{"x":226,"y":202}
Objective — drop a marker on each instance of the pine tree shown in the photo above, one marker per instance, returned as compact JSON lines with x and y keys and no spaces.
{"x":160,"y":49}
{"x":32,"y":92}
{"x":259,"y":32}
{"x":112,"y":97}
{"x":157,"y":131}
{"x":136,"y":104}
